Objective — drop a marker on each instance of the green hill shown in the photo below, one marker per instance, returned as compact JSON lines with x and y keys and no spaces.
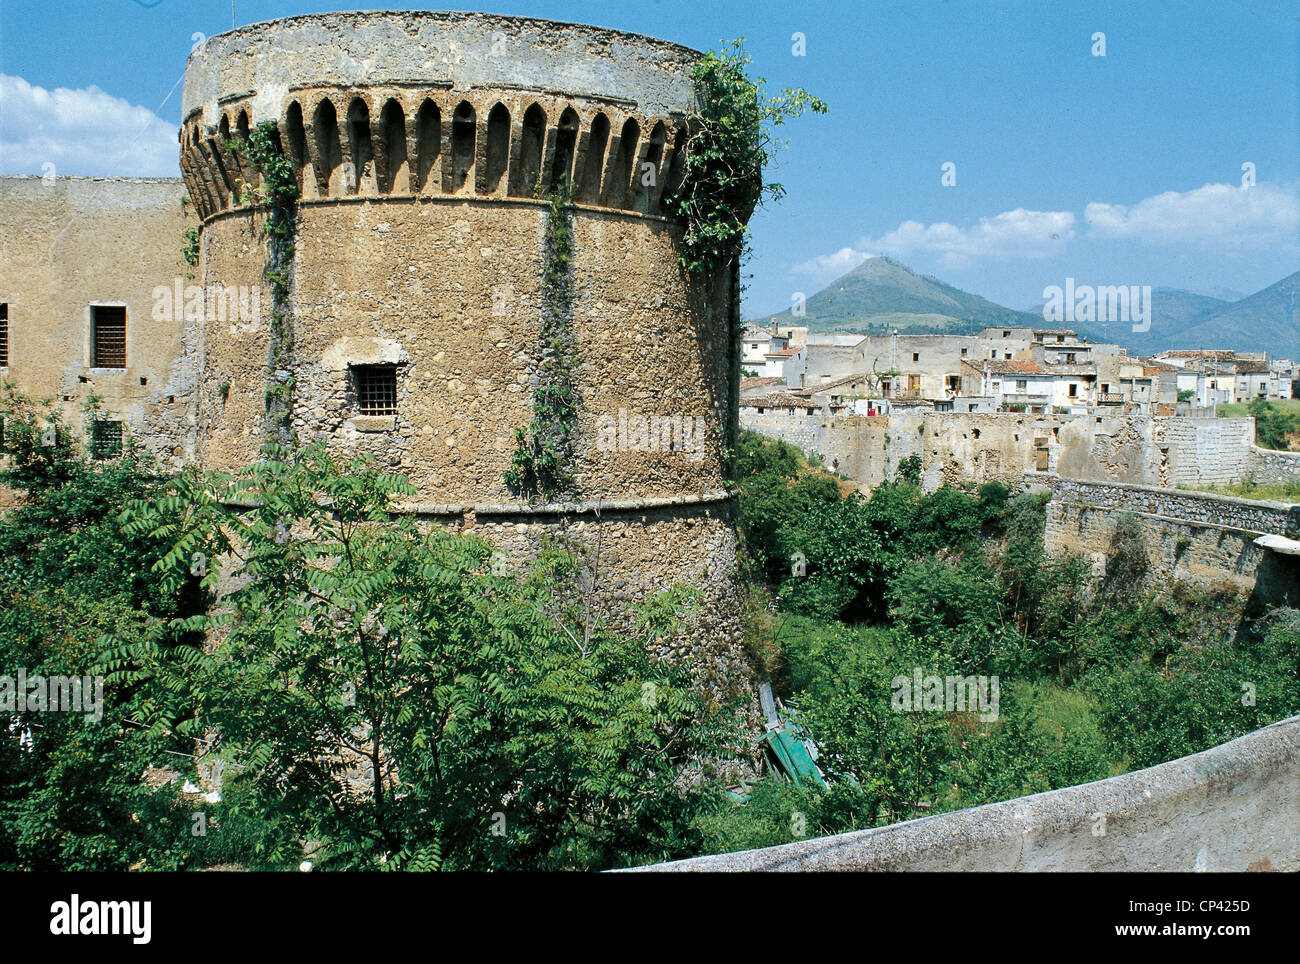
{"x":880,"y":295}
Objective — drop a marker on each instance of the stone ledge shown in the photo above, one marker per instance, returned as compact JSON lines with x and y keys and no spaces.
{"x":373,"y":423}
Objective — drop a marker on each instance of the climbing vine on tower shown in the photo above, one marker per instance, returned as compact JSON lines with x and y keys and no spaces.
{"x":278,"y":194}
{"x":539,"y":465}
{"x":730,"y":140}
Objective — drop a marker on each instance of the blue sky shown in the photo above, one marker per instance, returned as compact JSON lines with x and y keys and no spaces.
{"x":1122,"y":169}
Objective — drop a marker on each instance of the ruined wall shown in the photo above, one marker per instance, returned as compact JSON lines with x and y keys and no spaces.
{"x":1231,"y":808}
{"x":960,"y":447}
{"x":1195,"y":536}
{"x":69,"y":242}
{"x":1270,"y":467}
{"x":421,"y":144}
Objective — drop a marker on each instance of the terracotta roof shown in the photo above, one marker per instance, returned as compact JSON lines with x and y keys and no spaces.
{"x":1153,"y":366}
{"x":1220,"y":355}
{"x":1251,"y":367}
{"x":785,"y":353}
{"x":836,"y":382}
{"x":995,"y":366}
{"x":779,"y":400}
{"x":748,"y":383}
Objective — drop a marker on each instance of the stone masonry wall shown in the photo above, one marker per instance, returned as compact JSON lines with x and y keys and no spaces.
{"x":69,"y":242}
{"x":958,"y":447}
{"x":1270,"y":467}
{"x":422,"y":145}
{"x":1203,"y":538}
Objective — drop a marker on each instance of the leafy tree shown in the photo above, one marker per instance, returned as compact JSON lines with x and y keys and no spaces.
{"x":72,"y":798}
{"x":1273,"y":426}
{"x":843,"y":556}
{"x":909,"y":470}
{"x":390,"y":696}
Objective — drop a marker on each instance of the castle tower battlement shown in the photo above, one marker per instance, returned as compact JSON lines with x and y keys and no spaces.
{"x":440,"y":104}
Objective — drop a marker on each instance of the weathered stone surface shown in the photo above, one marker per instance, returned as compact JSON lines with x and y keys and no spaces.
{"x":1197,"y":536}
{"x":421,"y":243}
{"x":974,"y":447}
{"x":70,"y":242}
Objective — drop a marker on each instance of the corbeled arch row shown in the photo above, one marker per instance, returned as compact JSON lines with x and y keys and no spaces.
{"x":403,"y":141}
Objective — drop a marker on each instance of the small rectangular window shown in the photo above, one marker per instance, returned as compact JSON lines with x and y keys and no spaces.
{"x":105,"y":439}
{"x":963,"y":353}
{"x":376,"y":389}
{"x":916,"y":356}
{"x":4,"y":336}
{"x":107,"y":336}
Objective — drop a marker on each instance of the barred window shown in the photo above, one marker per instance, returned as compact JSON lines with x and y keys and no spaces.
{"x":105,"y":439}
{"x":107,"y":336}
{"x":4,"y":335}
{"x":376,"y":389}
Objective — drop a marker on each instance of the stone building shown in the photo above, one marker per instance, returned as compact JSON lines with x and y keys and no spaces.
{"x":422,"y":145}
{"x":88,"y":277}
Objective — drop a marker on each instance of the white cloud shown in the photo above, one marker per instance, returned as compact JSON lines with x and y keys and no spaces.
{"x":84,"y":131}
{"x":1262,"y":215}
{"x":828,"y":267}
{"x":1019,"y":233}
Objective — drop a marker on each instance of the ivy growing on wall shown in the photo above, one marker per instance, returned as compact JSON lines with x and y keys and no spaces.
{"x":539,"y":465}
{"x":278,"y":194}
{"x":729,"y":141}
{"x":190,"y":247}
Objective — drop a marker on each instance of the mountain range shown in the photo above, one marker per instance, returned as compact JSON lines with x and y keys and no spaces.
{"x":881,"y":295}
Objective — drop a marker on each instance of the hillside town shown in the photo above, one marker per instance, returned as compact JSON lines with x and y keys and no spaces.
{"x":1037,"y":371}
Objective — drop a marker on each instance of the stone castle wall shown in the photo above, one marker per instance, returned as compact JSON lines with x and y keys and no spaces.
{"x":68,"y":243}
{"x":1196,"y":536}
{"x":421,"y":144}
{"x":957,"y":447}
{"x":1270,"y":467}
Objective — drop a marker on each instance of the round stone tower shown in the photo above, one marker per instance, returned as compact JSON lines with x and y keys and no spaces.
{"x":423,"y":145}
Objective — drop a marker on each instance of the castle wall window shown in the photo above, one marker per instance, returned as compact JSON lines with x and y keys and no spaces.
{"x":376,"y":389}
{"x":4,"y":336}
{"x":105,"y":439}
{"x":108,"y":336}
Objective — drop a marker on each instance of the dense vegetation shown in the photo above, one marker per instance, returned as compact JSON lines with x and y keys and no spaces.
{"x":1096,"y":678}
{"x":374,"y":695}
